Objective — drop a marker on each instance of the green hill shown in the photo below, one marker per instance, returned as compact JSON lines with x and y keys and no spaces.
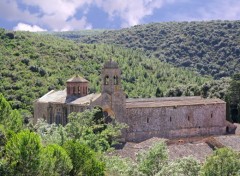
{"x":32,"y":64}
{"x":211,"y":48}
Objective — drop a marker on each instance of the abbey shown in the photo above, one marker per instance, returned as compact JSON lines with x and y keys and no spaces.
{"x":171,"y":117}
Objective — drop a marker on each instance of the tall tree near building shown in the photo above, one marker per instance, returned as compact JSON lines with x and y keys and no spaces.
{"x":234,"y":98}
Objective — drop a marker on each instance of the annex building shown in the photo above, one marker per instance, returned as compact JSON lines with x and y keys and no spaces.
{"x":171,"y":117}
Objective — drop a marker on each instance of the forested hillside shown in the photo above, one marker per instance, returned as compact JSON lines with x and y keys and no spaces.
{"x":32,"y":64}
{"x":211,"y":47}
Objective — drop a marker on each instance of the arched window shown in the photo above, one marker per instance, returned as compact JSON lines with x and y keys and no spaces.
{"x":58,"y":118}
{"x":106,"y":80}
{"x":115,"y":80}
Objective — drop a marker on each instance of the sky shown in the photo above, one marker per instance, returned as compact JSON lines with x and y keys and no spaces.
{"x":72,"y":15}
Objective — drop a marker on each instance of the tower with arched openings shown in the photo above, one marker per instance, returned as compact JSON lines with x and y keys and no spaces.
{"x":113,"y":97}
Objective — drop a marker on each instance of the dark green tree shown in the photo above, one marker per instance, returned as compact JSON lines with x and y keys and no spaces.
{"x":55,"y":161}
{"x":234,"y":98}
{"x":5,"y":109}
{"x":23,"y":152}
{"x":84,"y":160}
{"x":159,"y":93}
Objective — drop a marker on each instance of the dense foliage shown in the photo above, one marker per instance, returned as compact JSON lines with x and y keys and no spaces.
{"x":26,"y":150}
{"x":233,"y":99}
{"x":223,"y":162}
{"x":32,"y":64}
{"x":210,"y":47}
{"x":71,"y":150}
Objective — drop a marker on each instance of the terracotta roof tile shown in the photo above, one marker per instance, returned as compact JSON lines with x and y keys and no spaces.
{"x":77,"y":78}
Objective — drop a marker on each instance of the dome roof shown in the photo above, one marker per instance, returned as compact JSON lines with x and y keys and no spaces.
{"x":110,"y":64}
{"x":77,"y":78}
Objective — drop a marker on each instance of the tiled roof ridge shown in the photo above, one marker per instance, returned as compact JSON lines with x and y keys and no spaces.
{"x":77,"y":78}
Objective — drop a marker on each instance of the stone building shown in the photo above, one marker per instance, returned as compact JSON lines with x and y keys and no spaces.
{"x":149,"y":117}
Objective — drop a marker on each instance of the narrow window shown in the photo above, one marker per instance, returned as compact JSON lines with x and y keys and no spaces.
{"x":73,"y":90}
{"x":147,"y":120}
{"x":211,"y":115}
{"x":58,"y":118}
{"x":106,"y":80}
{"x":115,"y":80}
{"x":170,"y":119}
{"x":79,"y":90}
{"x":188,"y":118}
{"x":51,"y":121}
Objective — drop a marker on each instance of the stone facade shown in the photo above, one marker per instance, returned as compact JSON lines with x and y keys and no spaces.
{"x":157,"y":117}
{"x":205,"y":117}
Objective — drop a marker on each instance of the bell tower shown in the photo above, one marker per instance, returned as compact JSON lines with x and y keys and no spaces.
{"x":113,"y":97}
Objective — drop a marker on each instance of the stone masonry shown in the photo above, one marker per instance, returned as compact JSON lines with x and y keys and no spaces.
{"x":151,"y":117}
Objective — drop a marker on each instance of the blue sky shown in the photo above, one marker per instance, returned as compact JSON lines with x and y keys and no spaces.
{"x":67,"y":15}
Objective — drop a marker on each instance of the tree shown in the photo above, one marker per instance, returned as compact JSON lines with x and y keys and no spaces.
{"x":224,"y":161}
{"x":23,"y":153}
{"x":234,"y":89}
{"x":159,"y":93}
{"x":84,"y":160}
{"x":234,"y":98}
{"x":93,"y":129}
{"x":5,"y":109}
{"x":187,"y":166}
{"x":55,"y":161}
{"x":50,"y":133}
{"x":118,"y":166}
{"x":152,"y":161}
{"x":11,"y":120}
{"x":14,"y":122}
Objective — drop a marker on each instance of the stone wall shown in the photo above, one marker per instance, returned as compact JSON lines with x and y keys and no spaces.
{"x":173,"y":122}
{"x":40,"y":111}
{"x":55,"y":112}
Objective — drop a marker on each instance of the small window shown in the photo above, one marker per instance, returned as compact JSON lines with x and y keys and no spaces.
{"x":68,"y":90}
{"x":211,"y":115}
{"x":147,"y":120}
{"x":51,"y":119}
{"x":115,"y":80}
{"x":106,"y":80}
{"x":188,"y":118}
{"x":170,"y":119}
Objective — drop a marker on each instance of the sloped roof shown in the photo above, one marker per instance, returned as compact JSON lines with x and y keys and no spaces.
{"x":170,"y":101}
{"x":77,"y":78}
{"x":231,"y":141}
{"x":61,"y":97}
